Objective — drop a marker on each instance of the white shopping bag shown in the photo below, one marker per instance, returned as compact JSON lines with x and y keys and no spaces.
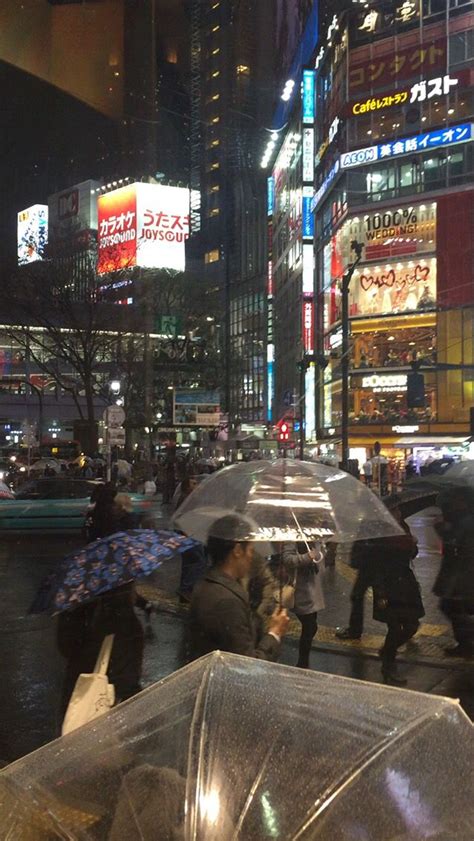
{"x":93,"y":694}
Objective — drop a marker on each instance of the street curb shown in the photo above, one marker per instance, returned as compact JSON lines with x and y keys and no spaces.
{"x":416,"y":660}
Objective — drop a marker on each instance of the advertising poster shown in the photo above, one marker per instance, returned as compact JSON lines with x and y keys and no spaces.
{"x":143,"y":225}
{"x":392,"y":231}
{"x":195,"y":407}
{"x":117,"y":230}
{"x":32,"y":233}
{"x":406,"y":286}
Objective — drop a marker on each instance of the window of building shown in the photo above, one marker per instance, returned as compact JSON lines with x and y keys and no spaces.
{"x":214,"y":165}
{"x":214,"y":212}
{"x":461,"y":46}
{"x":213,"y":143}
{"x":215,"y":5}
{"x":212,"y":98}
{"x":215,"y":120}
{"x":381,"y":182}
{"x":211,"y":256}
{"x":242,"y":70}
{"x":215,"y":28}
{"x":215,"y":74}
{"x":215,"y":51}
{"x":214,"y":188}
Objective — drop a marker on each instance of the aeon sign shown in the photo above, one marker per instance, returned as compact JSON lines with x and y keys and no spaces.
{"x":359,"y":157}
{"x":143,"y":225}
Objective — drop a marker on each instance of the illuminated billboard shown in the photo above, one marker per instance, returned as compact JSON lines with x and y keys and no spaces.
{"x":144,"y":225}
{"x":195,"y":407}
{"x":72,"y":216}
{"x":405,"y":286}
{"x":32,"y":233}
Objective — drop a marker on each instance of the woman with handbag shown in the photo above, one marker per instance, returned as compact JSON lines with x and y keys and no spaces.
{"x":304,"y":564}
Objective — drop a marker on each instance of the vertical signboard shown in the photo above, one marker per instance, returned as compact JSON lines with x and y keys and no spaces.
{"x":308,"y":91}
{"x":308,"y":155}
{"x":308,"y":217}
{"x":270,"y":195}
{"x":32,"y":233}
{"x":308,"y":324}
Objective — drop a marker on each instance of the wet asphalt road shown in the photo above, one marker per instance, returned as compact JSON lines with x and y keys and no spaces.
{"x":31,"y":669}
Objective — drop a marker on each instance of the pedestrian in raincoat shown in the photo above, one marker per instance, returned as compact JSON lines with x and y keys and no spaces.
{"x":305,"y":565}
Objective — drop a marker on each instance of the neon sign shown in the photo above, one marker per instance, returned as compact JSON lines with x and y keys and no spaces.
{"x":419,"y":92}
{"x":420,"y":143}
{"x":308,"y":95}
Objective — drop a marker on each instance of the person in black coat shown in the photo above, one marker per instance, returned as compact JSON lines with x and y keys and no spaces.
{"x":397,"y":599}
{"x":455,"y":581}
{"x":80,"y":632}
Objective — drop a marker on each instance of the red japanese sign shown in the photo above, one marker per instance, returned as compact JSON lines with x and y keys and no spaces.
{"x":402,"y":64}
{"x":117,"y":220}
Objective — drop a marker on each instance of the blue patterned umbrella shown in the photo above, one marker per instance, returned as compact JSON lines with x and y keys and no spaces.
{"x":105,"y":564}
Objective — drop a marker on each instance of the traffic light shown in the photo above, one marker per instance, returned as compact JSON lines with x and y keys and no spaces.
{"x":284,"y":432}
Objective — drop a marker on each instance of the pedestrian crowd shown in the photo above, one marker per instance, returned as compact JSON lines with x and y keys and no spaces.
{"x":240,"y":596}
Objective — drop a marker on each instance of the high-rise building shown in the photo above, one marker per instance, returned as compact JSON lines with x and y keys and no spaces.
{"x":287,"y":158}
{"x":91,"y":90}
{"x":232,"y":66}
{"x":395,"y":172}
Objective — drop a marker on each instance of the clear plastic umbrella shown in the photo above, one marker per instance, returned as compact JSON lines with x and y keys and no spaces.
{"x":233,"y":749}
{"x":288,"y":501}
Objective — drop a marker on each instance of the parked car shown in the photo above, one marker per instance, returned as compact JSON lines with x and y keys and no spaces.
{"x":56,"y":504}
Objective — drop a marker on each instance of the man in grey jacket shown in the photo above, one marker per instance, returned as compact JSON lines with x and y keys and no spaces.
{"x":221,"y":616}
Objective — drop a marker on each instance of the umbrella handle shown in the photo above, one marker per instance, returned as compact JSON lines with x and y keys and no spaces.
{"x":301,"y":531}
{"x":102,"y":663}
{"x":281,"y":575}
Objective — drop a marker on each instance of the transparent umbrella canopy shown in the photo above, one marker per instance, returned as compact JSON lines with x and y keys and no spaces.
{"x":231,"y":748}
{"x":288,"y":501}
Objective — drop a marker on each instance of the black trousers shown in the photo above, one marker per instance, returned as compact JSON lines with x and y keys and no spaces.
{"x":309,"y":626}
{"x":461,"y":614}
{"x":362,"y":583}
{"x":399,"y":632}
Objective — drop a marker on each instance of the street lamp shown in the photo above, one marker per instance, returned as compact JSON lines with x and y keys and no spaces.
{"x":115,"y":386}
{"x":356,"y":247}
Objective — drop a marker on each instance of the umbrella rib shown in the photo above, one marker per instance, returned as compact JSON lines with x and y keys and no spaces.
{"x":345,"y":781}
{"x":197,"y":719}
{"x":251,"y":793}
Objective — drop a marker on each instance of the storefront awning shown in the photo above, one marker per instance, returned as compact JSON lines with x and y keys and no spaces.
{"x":431,"y":441}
